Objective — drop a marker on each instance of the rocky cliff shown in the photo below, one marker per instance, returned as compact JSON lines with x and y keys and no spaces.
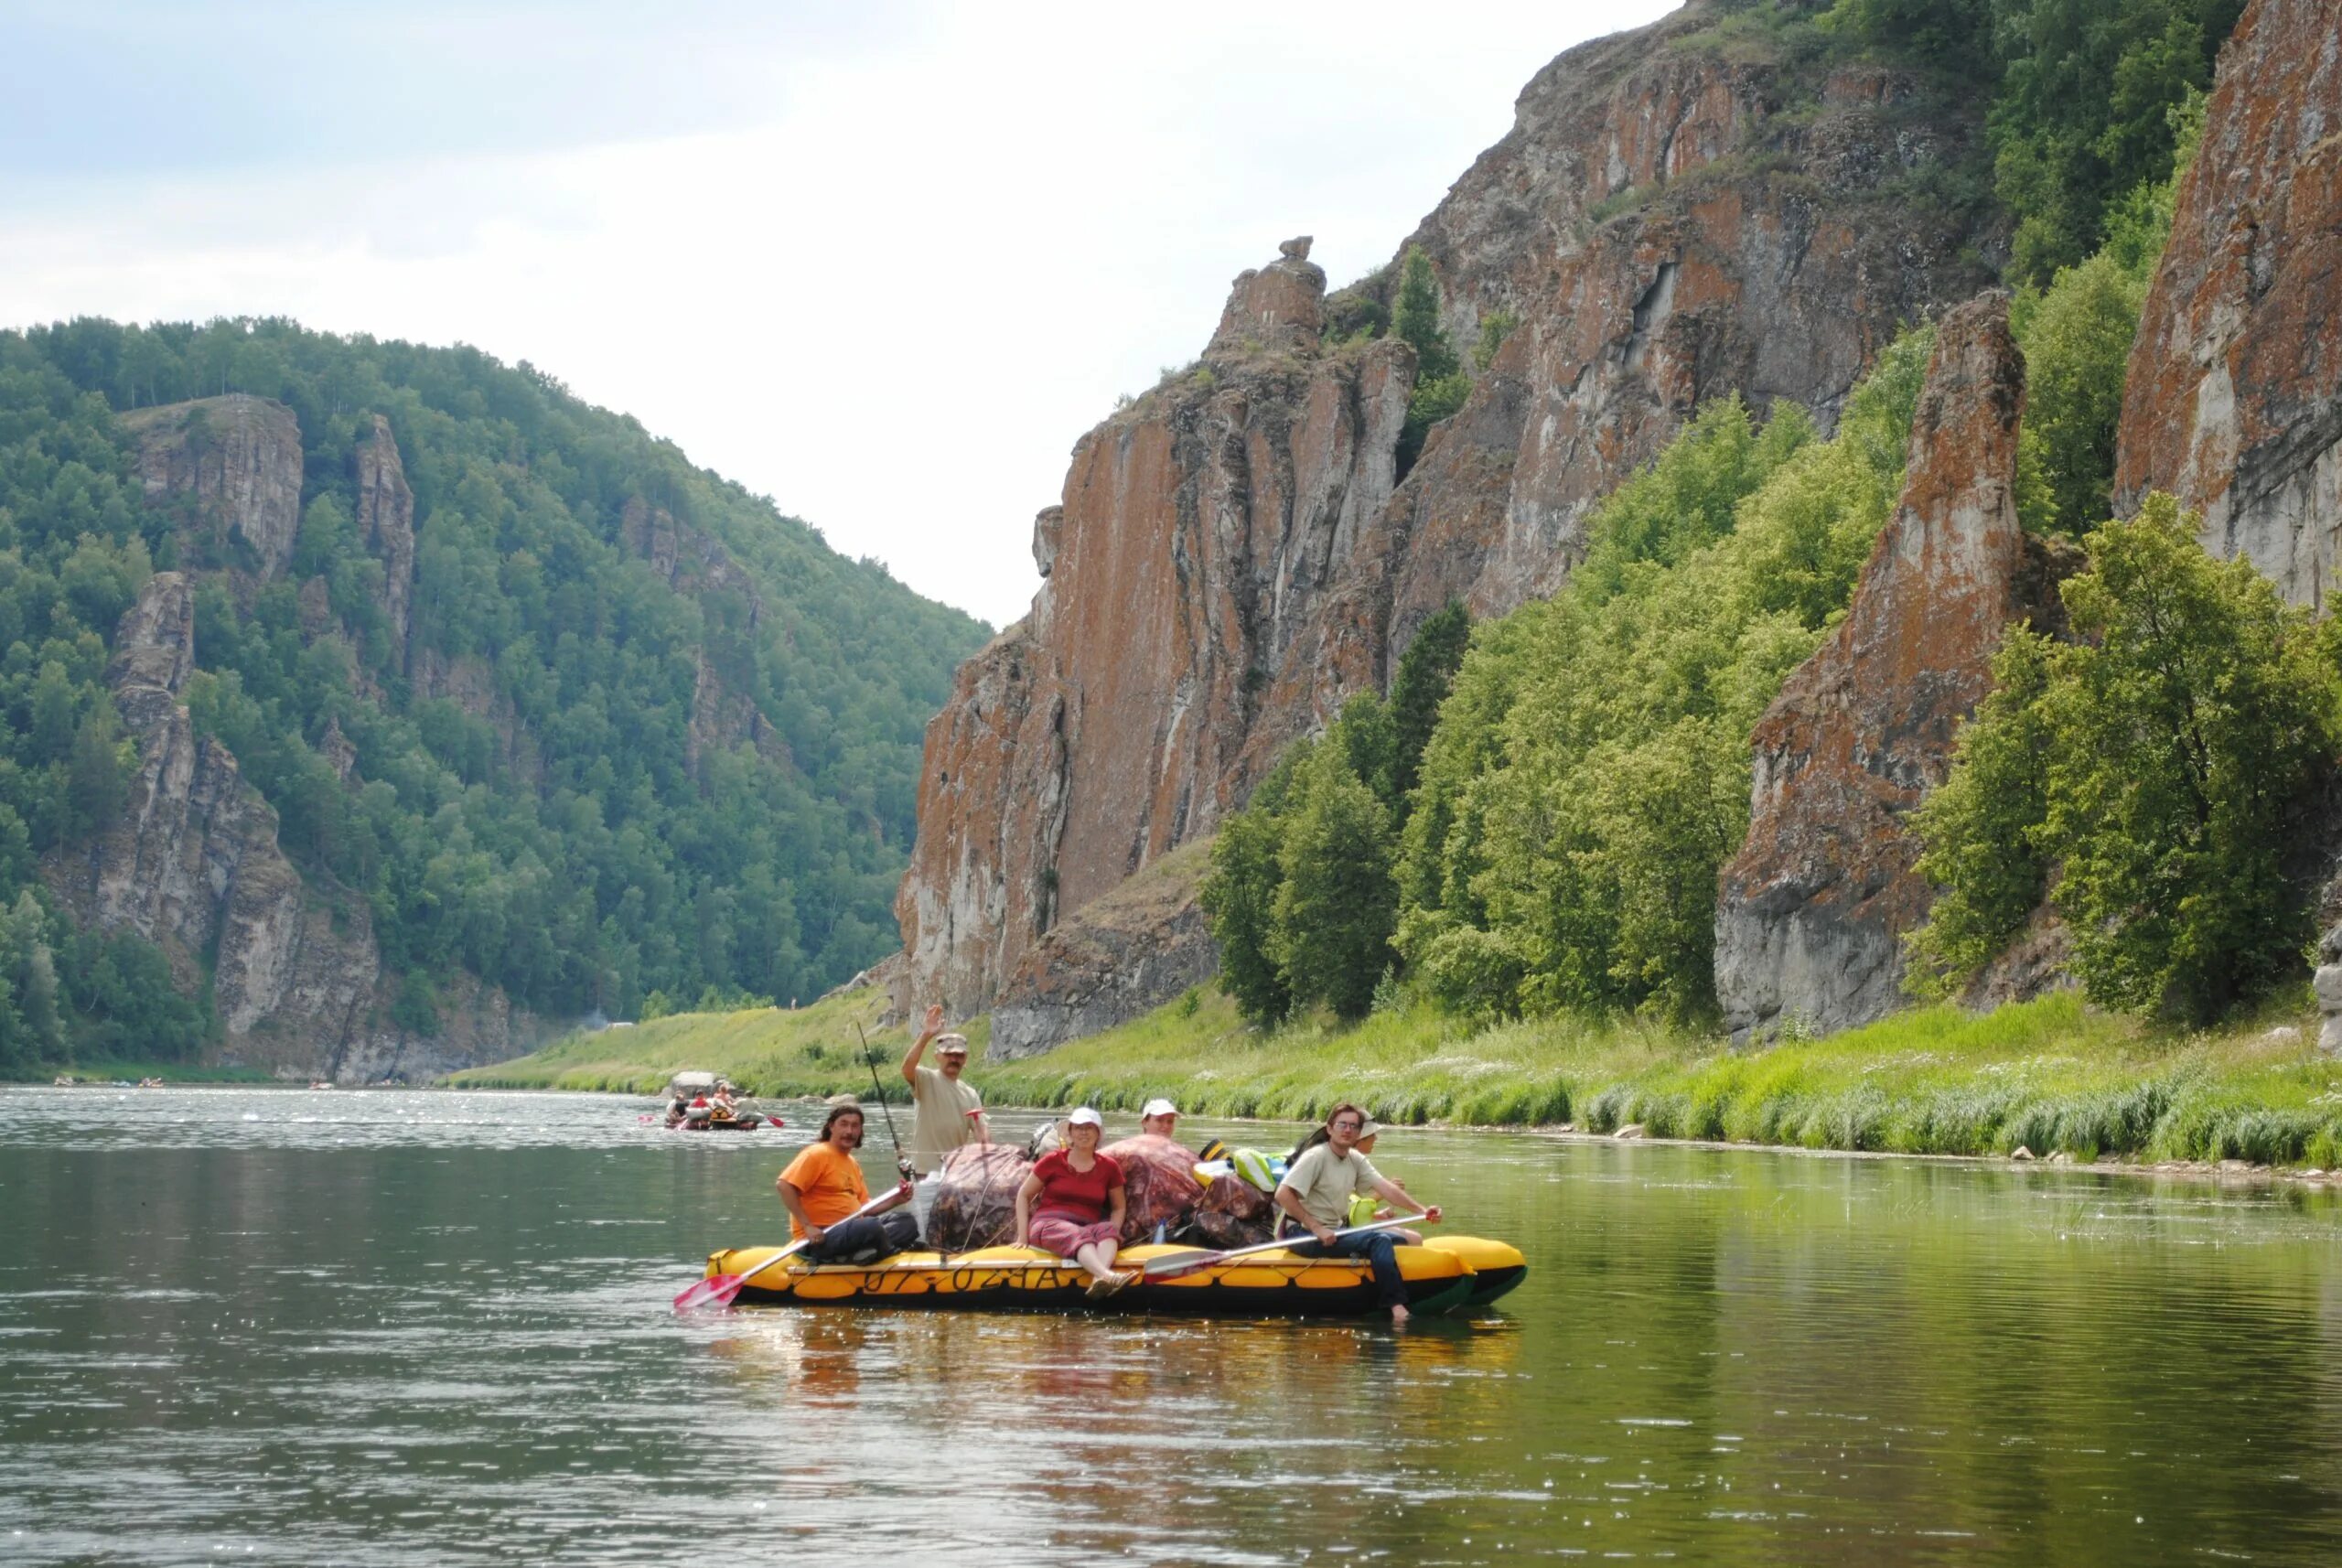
{"x":1813,"y":910}
{"x":193,"y":866}
{"x":386,"y":522}
{"x":2233,"y":401}
{"x":1668,"y":221}
{"x":2233,"y":397}
{"x":231,"y":467}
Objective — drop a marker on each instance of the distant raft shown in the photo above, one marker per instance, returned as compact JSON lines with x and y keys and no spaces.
{"x":1447,"y":1275}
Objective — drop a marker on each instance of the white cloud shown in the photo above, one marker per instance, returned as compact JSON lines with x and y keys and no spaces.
{"x":894,"y":303}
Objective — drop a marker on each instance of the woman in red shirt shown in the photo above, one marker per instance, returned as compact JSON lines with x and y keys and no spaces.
{"x":1071,"y":1204}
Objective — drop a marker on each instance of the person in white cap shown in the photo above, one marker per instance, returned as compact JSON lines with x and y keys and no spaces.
{"x":1073,"y":1203}
{"x":948,"y":1111}
{"x":1160,"y":1117}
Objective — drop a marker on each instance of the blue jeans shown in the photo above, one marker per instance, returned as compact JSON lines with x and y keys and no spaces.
{"x":1380,"y":1253}
{"x":880,"y":1235}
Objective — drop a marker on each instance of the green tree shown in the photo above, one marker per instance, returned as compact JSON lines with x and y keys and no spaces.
{"x":1590,"y":772}
{"x":1425,"y":671}
{"x":2084,"y":111}
{"x":98,"y":771}
{"x":2076,"y":339}
{"x":1982,"y":829}
{"x":2178,"y":745}
{"x":1335,"y":905}
{"x":1415,"y":318}
{"x":1239,"y":895}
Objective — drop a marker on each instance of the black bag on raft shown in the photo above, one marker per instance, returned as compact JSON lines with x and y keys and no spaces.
{"x":1233,"y":1212}
{"x":975,"y":1198}
{"x":1159,"y":1185}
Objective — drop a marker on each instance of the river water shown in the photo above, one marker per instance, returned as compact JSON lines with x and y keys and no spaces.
{"x":389,"y":1328}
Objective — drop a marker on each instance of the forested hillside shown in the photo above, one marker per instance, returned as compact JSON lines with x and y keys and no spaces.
{"x":575,"y":718}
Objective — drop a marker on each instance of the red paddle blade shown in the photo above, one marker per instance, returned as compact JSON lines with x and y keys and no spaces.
{"x":717,"y":1292}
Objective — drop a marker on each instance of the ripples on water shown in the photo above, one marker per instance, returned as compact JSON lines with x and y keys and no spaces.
{"x":412,"y":1327}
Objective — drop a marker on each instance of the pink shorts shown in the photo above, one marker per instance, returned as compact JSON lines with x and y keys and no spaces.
{"x":1055,"y":1233}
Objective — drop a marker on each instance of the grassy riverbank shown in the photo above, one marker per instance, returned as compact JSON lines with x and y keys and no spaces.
{"x":2049,"y":1076}
{"x":101,"y":1072}
{"x":766,"y":1050}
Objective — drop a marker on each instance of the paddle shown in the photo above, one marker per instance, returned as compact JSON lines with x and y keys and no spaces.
{"x":1179,"y":1263}
{"x":719,"y":1290}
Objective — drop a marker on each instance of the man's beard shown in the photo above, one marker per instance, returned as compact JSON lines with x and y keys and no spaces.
{"x":851,"y":1140}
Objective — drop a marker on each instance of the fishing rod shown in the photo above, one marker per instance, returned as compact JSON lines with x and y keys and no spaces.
{"x":870,"y":1060}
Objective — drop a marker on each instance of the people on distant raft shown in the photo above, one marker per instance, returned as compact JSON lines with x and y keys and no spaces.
{"x":1316,"y":1195}
{"x":822,"y":1188}
{"x":1071,"y":1204}
{"x":1161,"y":1118}
{"x":948,"y":1113}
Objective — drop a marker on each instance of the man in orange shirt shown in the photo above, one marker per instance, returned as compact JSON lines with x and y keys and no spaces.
{"x":823,"y":1187}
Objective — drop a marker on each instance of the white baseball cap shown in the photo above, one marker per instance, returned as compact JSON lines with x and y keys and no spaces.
{"x":1160,"y":1107}
{"x":952,"y":1045}
{"x":1085,"y":1117}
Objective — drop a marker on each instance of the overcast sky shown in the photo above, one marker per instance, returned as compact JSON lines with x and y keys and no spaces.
{"x":883,"y":262}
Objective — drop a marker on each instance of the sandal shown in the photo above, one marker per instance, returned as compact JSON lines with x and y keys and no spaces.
{"x":1101,"y":1285}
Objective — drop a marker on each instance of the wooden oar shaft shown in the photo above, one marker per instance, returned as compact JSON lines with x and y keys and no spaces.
{"x":804,"y":1241}
{"x":1205,"y":1259}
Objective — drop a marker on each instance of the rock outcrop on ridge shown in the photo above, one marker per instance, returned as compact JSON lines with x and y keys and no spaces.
{"x":2233,"y":401}
{"x":1233,"y":557}
{"x":193,"y":866}
{"x":231,"y":465}
{"x":1813,"y":910}
{"x":386,"y":522}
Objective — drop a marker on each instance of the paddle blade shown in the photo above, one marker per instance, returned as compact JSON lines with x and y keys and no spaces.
{"x":717,"y":1292}
{"x":1172,"y":1265}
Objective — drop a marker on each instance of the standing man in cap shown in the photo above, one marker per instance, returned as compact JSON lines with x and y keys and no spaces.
{"x":949,"y":1112}
{"x":1160,"y":1118}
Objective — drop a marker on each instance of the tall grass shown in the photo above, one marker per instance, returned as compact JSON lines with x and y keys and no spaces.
{"x":2051,"y":1075}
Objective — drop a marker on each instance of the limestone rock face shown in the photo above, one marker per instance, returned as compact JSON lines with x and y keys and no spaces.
{"x":2233,"y":401}
{"x":1231,"y":559}
{"x":1813,"y":910}
{"x":234,"y":463}
{"x":386,"y":522}
{"x":1705,"y":282}
{"x":1124,"y":715}
{"x":1115,"y":958}
{"x":723,"y":718}
{"x":194,"y":866}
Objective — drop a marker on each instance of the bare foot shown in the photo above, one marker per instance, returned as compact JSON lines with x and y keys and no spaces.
{"x":1399,"y":1315}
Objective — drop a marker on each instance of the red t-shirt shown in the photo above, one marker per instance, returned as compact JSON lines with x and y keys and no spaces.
{"x":1077,"y":1195}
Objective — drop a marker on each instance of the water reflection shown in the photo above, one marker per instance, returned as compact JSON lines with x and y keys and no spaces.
{"x":421,"y":1332}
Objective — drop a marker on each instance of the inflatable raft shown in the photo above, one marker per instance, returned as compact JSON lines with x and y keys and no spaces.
{"x":1448,"y":1273}
{"x":747,"y":1122}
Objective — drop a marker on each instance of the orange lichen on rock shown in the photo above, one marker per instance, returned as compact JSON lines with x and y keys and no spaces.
{"x":1813,"y":909}
{"x":2233,"y":398}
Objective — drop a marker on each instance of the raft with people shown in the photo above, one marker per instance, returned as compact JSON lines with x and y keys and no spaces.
{"x":1141,"y":1225}
{"x":702,"y":1103}
{"x":1445,"y":1276}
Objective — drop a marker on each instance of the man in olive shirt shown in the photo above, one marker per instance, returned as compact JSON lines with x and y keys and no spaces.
{"x":1316,"y":1195}
{"x":948,"y":1113}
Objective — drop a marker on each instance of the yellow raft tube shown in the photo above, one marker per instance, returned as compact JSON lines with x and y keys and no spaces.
{"x":1448,"y":1273}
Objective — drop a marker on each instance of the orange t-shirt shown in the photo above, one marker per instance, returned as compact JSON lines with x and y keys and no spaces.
{"x":829,"y":1183}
